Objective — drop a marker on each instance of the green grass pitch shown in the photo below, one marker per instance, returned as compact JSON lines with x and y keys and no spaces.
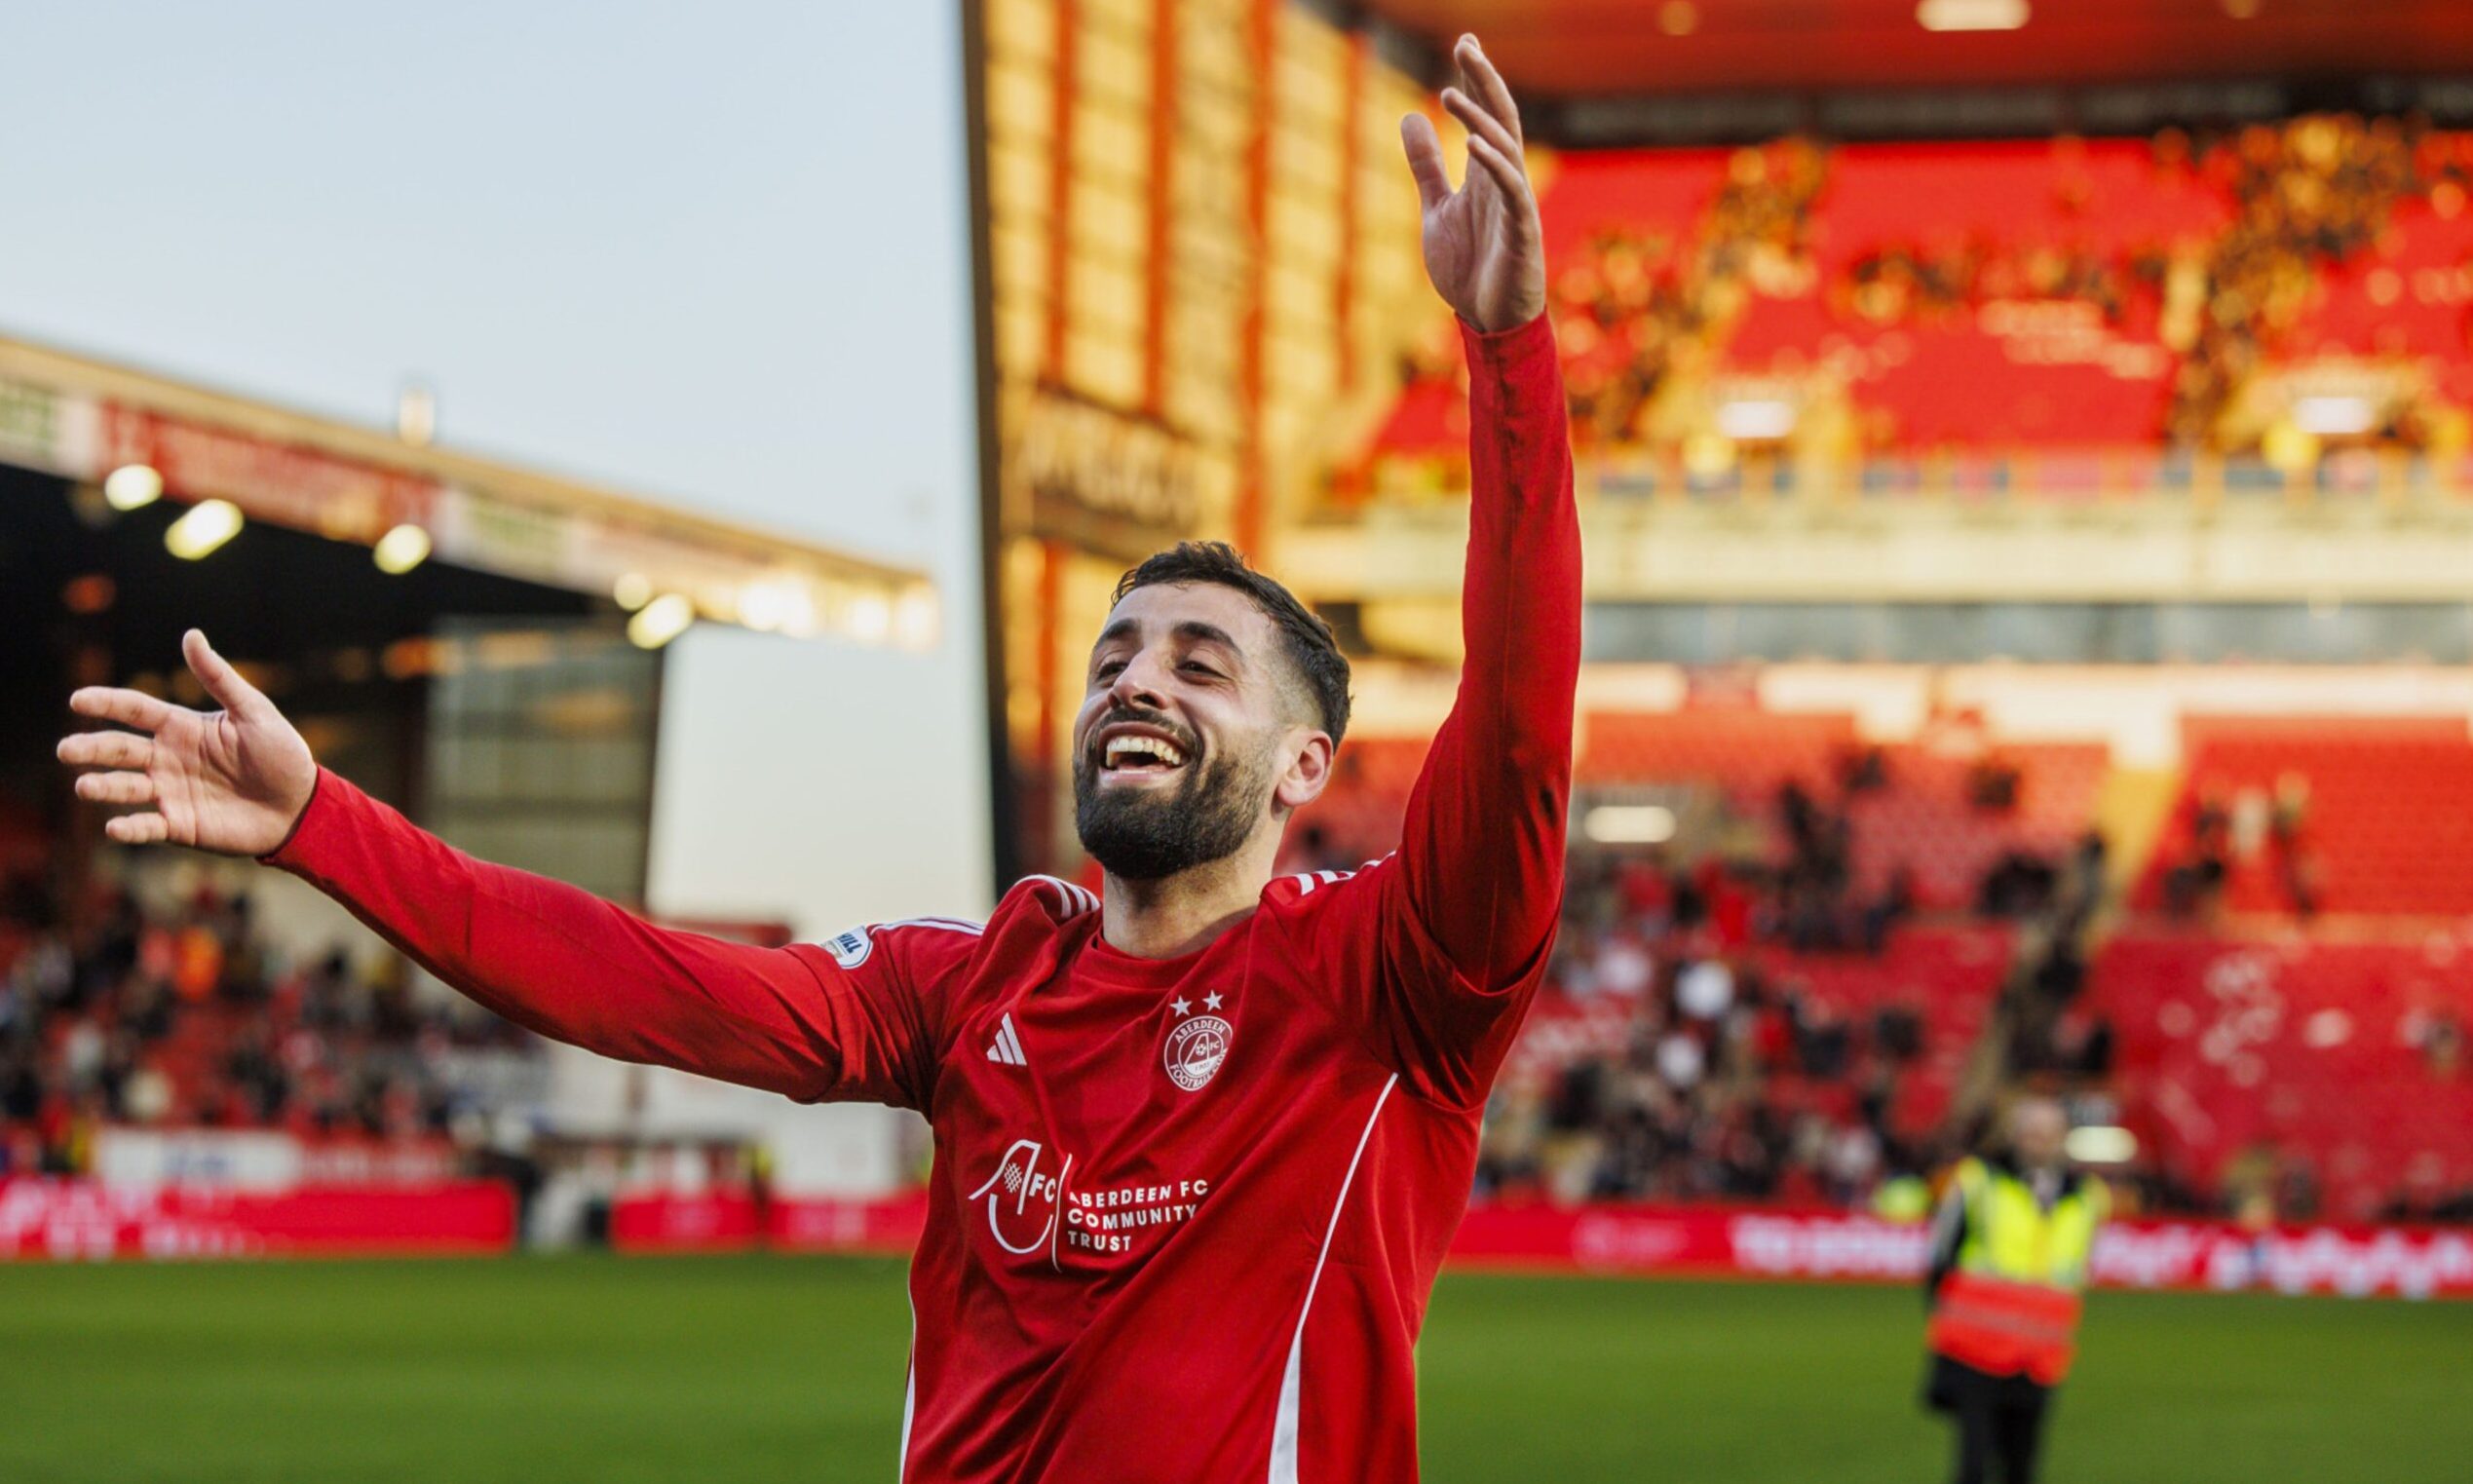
{"x":542,"y":1370}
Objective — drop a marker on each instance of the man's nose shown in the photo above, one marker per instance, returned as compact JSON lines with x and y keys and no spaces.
{"x":1141,"y":683}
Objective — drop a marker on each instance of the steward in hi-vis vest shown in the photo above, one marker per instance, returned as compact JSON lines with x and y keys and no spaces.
{"x":2009,"y":1257}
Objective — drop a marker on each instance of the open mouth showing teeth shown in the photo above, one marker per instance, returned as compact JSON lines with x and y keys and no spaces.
{"x":1141,"y":754}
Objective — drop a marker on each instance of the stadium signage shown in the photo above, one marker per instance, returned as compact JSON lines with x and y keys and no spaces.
{"x":1838,"y":1245}
{"x":237,"y":1159}
{"x":1101,"y":480}
{"x":87,"y":1220}
{"x":39,"y":426}
{"x":519,"y":540}
{"x":303,"y":488}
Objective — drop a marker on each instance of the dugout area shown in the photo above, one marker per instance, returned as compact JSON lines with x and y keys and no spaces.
{"x":477,"y":642}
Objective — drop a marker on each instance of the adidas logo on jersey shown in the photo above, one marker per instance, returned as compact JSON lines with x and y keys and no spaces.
{"x":1007,"y":1047}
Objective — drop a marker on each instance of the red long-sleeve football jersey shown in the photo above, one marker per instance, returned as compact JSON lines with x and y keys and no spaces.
{"x":1185,"y":1214}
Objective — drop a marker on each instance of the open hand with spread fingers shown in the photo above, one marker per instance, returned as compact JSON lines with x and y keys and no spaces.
{"x":1484,"y":249}
{"x":233,"y":781}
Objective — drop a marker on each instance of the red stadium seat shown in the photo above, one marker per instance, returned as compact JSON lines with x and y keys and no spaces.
{"x":2389,"y":822}
{"x":1745,"y":751}
{"x":2315,"y":1050}
{"x":2005,"y":367}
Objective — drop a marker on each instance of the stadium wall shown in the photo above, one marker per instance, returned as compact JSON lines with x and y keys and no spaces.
{"x":818,"y":785}
{"x":89,"y":1221}
{"x":1692,"y":1241}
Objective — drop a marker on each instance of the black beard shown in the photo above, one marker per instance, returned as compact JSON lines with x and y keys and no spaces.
{"x":1150,"y":834}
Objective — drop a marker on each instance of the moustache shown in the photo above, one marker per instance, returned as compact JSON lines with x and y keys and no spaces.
{"x":1139,"y":716}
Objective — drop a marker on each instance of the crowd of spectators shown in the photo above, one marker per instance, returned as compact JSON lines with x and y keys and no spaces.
{"x":1733,"y":1080}
{"x":2308,"y":193}
{"x":1726,"y":1077}
{"x":1732,"y":1085}
{"x":1639,"y":303}
{"x":2234,"y":827}
{"x":121,"y":1013}
{"x":1635,"y":302}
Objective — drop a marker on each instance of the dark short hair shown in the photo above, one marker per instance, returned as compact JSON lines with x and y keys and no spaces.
{"x":1312,"y":651}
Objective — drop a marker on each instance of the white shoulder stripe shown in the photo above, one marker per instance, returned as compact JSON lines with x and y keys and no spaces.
{"x":1075,"y":900}
{"x":1306,"y":882}
{"x":948,"y":924}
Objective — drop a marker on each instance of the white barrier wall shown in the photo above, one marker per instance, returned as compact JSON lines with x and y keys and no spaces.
{"x":820,"y":785}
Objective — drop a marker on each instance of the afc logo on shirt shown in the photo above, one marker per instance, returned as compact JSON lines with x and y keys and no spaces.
{"x":1021,"y":1200}
{"x":1030,"y":1209}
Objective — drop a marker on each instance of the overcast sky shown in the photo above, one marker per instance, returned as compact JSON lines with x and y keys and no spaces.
{"x":714,"y":253}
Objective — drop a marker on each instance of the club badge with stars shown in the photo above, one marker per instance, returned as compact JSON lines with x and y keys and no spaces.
{"x":1196,"y":1044}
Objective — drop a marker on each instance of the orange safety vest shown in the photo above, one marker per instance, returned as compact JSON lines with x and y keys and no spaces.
{"x":2005,"y":1328}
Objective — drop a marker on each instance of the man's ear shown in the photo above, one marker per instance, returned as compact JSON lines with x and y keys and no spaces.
{"x":1308,"y":773}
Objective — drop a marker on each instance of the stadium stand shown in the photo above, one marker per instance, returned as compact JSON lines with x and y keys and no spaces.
{"x":1366,"y":804}
{"x":1945,"y":814}
{"x":183,"y":1017}
{"x":1659,"y":1066}
{"x":2322,"y":814}
{"x":2058,"y":315}
{"x":1810,"y":988}
{"x":1744,"y":751}
{"x":2299,"y":1076}
{"x":1803,"y":993}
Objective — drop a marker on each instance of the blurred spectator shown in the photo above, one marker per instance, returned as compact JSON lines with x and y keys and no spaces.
{"x":182,"y":1017}
{"x":2287,"y":829}
{"x":1646,"y":310}
{"x":1704,"y":990}
{"x":2195,"y":882}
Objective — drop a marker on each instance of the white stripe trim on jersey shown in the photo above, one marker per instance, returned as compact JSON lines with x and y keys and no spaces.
{"x":1075,"y":900}
{"x":1283,"y":1426}
{"x":909,"y":1388}
{"x":1306,"y":882}
{"x":948,"y":924}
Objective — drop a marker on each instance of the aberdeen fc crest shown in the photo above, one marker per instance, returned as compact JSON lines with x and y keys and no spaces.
{"x":1194,"y":1049}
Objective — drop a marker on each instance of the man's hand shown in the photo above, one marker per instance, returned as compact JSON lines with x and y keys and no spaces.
{"x":1484,"y":249}
{"x":233,"y":781}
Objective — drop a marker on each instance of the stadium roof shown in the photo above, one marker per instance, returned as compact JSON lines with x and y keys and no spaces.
{"x":1602,"y":48}
{"x":82,"y":419}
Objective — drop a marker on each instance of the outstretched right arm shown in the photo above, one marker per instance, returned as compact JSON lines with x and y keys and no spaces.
{"x":540,"y":952}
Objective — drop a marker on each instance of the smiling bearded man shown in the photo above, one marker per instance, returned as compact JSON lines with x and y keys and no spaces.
{"x":1199,"y":1145}
{"x":1212,"y":801}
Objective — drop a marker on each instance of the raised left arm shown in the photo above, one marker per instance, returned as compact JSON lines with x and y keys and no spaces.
{"x":1481,"y":856}
{"x":1436,"y":951}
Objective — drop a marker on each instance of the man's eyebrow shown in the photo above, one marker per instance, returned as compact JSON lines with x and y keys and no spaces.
{"x":1191,"y":630}
{"x":1211,"y":633}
